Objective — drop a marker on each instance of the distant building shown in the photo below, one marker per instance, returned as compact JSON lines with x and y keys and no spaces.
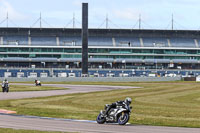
{"x":108,"y":48}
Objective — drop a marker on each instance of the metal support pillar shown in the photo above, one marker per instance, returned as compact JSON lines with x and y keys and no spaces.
{"x":84,"y":39}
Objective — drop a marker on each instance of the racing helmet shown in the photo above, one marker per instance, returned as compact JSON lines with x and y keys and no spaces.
{"x":128,"y":100}
{"x":5,"y":79}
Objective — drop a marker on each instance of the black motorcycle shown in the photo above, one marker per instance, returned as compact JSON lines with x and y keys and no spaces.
{"x":38,"y":84}
{"x":120,"y":115}
{"x":5,"y":87}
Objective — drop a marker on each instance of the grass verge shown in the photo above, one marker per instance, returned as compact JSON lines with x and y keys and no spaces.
{"x":165,"y":103}
{"x":8,"y":130}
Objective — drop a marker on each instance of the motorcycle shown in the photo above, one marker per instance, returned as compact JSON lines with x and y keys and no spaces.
{"x":5,"y":87}
{"x":37,"y":83}
{"x":120,"y":115}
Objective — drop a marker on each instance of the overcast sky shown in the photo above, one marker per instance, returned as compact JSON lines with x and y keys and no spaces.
{"x":155,"y":14}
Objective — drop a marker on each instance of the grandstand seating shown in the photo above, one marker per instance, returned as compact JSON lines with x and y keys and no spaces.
{"x":15,"y":40}
{"x":123,"y":41}
{"x":100,"y":41}
{"x":112,"y":49}
{"x":70,"y":41}
{"x":182,"y":42}
{"x":155,"y":42}
{"x":43,"y":40}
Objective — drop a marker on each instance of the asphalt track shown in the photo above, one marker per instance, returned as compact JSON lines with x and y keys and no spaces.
{"x":71,"y":89}
{"x":50,"y":124}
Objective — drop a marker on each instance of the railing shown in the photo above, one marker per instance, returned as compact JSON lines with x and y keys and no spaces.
{"x":96,"y":69}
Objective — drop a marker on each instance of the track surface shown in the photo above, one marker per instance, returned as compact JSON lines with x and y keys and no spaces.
{"x":72,"y":89}
{"x":19,"y":122}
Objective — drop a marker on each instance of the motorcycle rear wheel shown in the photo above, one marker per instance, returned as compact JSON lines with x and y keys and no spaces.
{"x":123,"y":118}
{"x":100,"y":119}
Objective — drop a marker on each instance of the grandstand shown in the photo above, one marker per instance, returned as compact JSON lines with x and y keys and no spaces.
{"x":52,"y":51}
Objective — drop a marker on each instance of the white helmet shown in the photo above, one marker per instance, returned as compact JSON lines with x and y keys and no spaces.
{"x":128,"y":100}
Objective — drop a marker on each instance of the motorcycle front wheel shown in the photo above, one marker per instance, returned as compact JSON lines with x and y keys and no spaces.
{"x":101,"y":119}
{"x":123,"y":118}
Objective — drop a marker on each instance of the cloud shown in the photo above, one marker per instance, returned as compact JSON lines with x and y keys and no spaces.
{"x":6,"y":7}
{"x":129,"y":14}
{"x":77,"y":3}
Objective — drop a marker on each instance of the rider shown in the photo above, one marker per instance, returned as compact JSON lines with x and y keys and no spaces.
{"x":127,"y":101}
{"x":4,"y":82}
{"x":37,"y":82}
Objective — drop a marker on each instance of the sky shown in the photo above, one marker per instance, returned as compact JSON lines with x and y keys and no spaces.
{"x":124,"y":14}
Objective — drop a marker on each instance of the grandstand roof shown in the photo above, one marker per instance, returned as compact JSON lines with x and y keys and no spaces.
{"x":100,"y":32}
{"x":100,"y":37}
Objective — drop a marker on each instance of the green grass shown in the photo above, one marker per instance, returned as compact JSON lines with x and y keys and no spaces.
{"x":14,"y":88}
{"x":107,"y":83}
{"x":165,"y":103}
{"x":8,"y":130}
